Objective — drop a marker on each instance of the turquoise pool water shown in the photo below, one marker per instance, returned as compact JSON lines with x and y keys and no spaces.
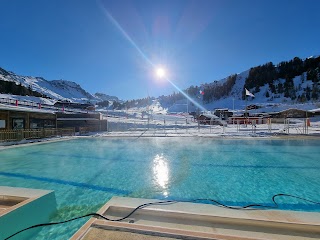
{"x":85,"y":173}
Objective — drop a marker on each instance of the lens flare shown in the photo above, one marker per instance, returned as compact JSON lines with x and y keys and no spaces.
{"x":160,"y":73}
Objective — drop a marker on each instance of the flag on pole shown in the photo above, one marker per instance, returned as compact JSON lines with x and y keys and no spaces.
{"x":249,"y":93}
{"x":201,"y":92}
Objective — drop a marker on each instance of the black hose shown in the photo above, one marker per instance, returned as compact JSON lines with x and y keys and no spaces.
{"x":256,"y":206}
{"x":94,"y":214}
{"x":217,"y":203}
{"x":141,"y":135}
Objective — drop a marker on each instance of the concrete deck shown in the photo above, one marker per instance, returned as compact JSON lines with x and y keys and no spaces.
{"x":24,"y":207}
{"x":197,"y":221}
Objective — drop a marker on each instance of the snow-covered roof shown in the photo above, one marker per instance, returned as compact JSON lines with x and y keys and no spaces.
{"x":212,"y":116}
{"x":314,"y":110}
{"x":24,"y":109}
{"x":77,"y":119}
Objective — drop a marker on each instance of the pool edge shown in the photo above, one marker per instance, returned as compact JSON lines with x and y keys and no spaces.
{"x":202,"y":221}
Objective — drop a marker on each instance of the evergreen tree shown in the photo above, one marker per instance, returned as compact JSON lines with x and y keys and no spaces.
{"x":302,"y":77}
{"x":267,"y":94}
{"x":308,"y":93}
{"x":21,"y":90}
{"x":315,"y":92}
{"x":312,"y":75}
{"x":303,"y":97}
{"x":243,"y":93}
{"x":286,"y":93}
{"x":293,"y":94}
{"x":272,"y":87}
{"x":280,"y":88}
{"x":299,"y":98}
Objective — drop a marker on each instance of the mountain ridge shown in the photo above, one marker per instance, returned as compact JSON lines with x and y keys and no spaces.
{"x":294,"y":81}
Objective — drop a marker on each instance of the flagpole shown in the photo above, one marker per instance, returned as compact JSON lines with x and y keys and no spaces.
{"x":187,"y":101}
{"x":246,"y":112}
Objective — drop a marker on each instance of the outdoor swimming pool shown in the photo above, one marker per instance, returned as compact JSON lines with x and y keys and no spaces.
{"x":85,"y":173}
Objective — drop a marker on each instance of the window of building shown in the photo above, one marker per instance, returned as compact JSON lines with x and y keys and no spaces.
{"x":2,"y":123}
{"x":18,"y":123}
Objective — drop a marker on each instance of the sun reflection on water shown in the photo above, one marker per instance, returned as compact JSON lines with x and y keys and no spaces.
{"x":161,"y":172}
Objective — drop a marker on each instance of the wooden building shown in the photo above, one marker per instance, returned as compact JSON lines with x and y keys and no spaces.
{"x":67,"y":104}
{"x":247,"y":120}
{"x":15,"y":118}
{"x":210,"y":119}
{"x":82,"y":120}
{"x":223,"y":113}
{"x":292,"y":113}
{"x":19,"y":118}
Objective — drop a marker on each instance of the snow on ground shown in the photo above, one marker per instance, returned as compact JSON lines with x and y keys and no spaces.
{"x":157,"y":121}
{"x":122,"y":124}
{"x":184,"y":125}
{"x":35,"y":100}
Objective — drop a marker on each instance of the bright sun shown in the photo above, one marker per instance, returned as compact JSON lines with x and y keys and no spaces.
{"x":160,"y":72}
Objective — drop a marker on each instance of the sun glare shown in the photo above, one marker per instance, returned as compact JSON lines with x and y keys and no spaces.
{"x":160,"y":72}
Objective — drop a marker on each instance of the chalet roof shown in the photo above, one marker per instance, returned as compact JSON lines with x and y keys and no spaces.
{"x":314,"y":110}
{"x":211,"y":116}
{"x":24,"y":109}
{"x":293,"y":109}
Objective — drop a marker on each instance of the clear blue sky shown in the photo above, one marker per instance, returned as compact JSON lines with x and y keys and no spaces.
{"x":107,"y":46}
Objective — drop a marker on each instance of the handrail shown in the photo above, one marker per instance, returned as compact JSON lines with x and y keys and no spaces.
{"x":18,"y":135}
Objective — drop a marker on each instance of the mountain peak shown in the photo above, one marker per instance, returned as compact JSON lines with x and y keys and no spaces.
{"x":103,"y":97}
{"x":55,"y":89}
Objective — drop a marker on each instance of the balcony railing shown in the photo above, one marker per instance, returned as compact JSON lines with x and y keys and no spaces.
{"x":18,"y":135}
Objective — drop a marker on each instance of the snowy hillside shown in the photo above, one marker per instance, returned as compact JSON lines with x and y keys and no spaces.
{"x":289,"y":84}
{"x":56,"y":89}
{"x":234,"y":100}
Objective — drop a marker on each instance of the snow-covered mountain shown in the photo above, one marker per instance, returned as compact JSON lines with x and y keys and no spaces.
{"x":289,"y":84}
{"x":105,"y":97}
{"x":264,"y":97}
{"x":295,"y":83}
{"x":55,"y":89}
{"x":234,"y":100}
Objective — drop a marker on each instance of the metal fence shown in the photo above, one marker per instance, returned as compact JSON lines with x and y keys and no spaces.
{"x":164,"y":126}
{"x":18,"y":135}
{"x":93,"y":128}
{"x":158,"y":126}
{"x":289,"y":126}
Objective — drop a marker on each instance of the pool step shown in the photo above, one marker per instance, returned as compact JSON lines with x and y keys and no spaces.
{"x":23,"y":207}
{"x":201,"y":221}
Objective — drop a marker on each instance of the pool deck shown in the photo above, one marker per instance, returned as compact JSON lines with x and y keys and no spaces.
{"x":12,"y":198}
{"x":184,"y":220}
{"x":23,"y":207}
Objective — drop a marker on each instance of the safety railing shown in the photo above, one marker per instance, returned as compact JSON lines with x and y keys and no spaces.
{"x":161,"y":126}
{"x":204,"y":127}
{"x":18,"y":135}
{"x":93,"y":128}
